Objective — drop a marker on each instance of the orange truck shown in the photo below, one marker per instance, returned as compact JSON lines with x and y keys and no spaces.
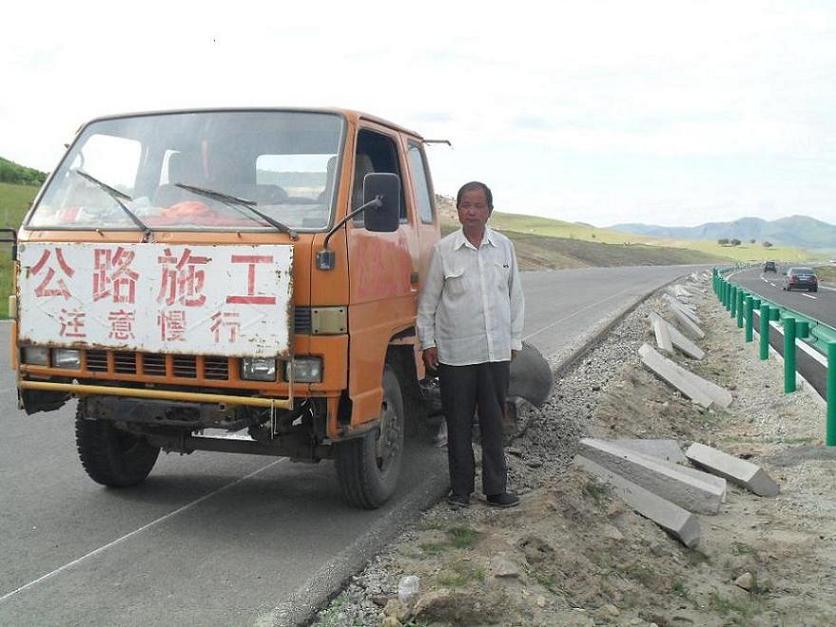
{"x":237,"y":280}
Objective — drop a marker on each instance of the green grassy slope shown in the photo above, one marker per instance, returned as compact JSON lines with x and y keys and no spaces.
{"x":14,"y":202}
{"x":826,"y":273}
{"x":538,"y":252}
{"x":556,"y":228}
{"x":11,"y":172}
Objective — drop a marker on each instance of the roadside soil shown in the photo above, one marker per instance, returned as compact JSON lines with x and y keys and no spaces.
{"x":574,"y":554}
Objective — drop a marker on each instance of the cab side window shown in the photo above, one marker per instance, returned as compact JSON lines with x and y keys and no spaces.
{"x":375,"y":153}
{"x":423,"y":192}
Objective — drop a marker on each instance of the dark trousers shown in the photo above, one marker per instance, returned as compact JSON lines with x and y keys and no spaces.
{"x":463,"y":390}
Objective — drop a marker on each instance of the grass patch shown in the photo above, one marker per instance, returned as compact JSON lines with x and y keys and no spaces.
{"x":547,"y":580}
{"x":679,"y":589}
{"x":463,"y":537}
{"x":643,"y":574}
{"x":597,"y":491}
{"x":460,"y":574}
{"x":739,"y":548}
{"x":434,"y":548}
{"x":725,"y":606}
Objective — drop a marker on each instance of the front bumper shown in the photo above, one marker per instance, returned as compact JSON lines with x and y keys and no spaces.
{"x":164,"y":395}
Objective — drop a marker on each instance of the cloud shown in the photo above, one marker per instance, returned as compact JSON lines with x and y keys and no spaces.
{"x":597,"y":110}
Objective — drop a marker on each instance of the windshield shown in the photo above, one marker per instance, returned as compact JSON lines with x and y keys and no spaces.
{"x":283,"y":163}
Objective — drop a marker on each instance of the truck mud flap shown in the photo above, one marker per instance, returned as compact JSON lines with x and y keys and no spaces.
{"x":34,"y":401}
{"x":531,"y":377}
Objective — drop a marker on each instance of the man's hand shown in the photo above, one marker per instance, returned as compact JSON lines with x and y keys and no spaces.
{"x":431,"y":358}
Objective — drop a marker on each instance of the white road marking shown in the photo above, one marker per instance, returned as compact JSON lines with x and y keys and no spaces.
{"x":829,"y":289}
{"x":153,"y":523}
{"x":809,"y":296}
{"x":572,"y":315}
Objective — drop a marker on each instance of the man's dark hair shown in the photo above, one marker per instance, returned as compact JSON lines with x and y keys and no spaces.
{"x":472,"y":187}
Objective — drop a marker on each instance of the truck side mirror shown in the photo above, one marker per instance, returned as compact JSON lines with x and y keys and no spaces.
{"x":386,"y":187}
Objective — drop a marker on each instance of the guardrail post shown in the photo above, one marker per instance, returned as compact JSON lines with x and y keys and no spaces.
{"x":831,"y":394}
{"x":725,"y":294}
{"x":740,"y":299}
{"x":789,"y":355}
{"x":802,"y":329}
{"x":764,"y":331}
{"x":756,"y":303}
{"x":750,"y":305}
{"x":733,"y":302}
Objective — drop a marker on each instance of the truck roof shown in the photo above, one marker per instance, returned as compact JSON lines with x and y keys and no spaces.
{"x":350,"y":114}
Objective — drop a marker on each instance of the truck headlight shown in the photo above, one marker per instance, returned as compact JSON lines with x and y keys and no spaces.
{"x":305,"y":370}
{"x":68,"y":358}
{"x":258,"y":369}
{"x":36,"y":355}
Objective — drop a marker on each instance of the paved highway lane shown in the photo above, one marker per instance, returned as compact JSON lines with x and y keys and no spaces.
{"x":820,"y":305}
{"x":213,"y":539}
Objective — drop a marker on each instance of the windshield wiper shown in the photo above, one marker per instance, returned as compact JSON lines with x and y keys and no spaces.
{"x":118,"y":197}
{"x":231,"y":201}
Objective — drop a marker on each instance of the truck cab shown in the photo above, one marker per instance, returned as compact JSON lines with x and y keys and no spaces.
{"x":240,"y":280}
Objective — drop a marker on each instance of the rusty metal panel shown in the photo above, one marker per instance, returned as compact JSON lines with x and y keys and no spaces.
{"x":158,"y":298}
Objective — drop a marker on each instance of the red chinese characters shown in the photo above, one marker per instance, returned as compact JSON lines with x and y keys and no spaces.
{"x":172,"y":325}
{"x":225,"y":321}
{"x":112,"y":275}
{"x":181,"y":280}
{"x":251,"y":298}
{"x":121,"y":325}
{"x":47,"y":287}
{"x":72,"y":323}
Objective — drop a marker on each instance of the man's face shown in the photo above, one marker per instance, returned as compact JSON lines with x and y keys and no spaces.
{"x":473,"y":210}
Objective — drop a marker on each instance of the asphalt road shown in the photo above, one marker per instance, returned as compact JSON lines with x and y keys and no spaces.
{"x":820,"y":305}
{"x":213,"y":539}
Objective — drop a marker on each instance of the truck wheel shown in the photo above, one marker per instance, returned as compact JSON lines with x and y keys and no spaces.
{"x":112,"y":457}
{"x":368,"y":467}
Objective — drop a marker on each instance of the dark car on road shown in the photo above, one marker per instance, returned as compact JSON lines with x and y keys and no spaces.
{"x":801,"y":278}
{"x":769,"y":266}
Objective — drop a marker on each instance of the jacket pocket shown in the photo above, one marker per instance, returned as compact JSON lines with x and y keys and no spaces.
{"x":454,"y":282}
{"x":501,"y":274}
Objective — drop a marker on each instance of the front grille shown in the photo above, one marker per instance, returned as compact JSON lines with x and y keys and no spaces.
{"x":153,"y":364}
{"x":97,"y":361}
{"x":124,"y":363}
{"x":185,"y":366}
{"x":216,"y":368}
{"x":302,"y":320}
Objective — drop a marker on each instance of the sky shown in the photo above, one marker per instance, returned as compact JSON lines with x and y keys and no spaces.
{"x":665,"y":112}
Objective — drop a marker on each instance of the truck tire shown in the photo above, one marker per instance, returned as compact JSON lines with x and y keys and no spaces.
{"x":368,"y":467}
{"x":112,"y":457}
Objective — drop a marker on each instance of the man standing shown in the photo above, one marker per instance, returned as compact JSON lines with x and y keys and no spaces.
{"x":470,"y":321}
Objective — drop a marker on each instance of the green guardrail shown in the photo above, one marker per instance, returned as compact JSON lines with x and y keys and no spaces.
{"x":741,"y":306}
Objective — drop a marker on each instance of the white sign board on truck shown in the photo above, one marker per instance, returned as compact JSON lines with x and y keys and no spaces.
{"x":158,"y":298}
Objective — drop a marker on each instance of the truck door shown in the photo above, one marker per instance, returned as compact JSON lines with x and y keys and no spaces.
{"x":382,"y":287}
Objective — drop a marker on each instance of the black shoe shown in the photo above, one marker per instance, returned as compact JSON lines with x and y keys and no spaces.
{"x":505,"y":499}
{"x":458,"y":500}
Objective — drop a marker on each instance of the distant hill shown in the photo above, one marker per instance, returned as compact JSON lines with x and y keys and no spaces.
{"x":799,"y":231}
{"x":11,"y":172}
{"x":544,"y":243}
